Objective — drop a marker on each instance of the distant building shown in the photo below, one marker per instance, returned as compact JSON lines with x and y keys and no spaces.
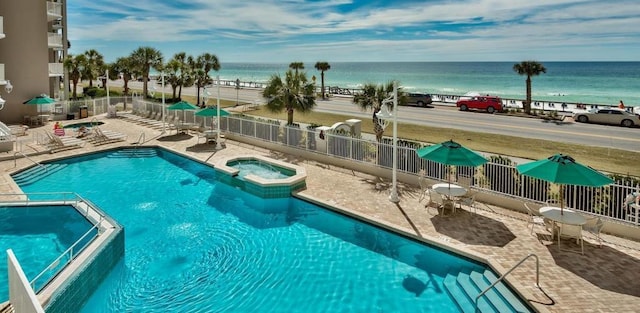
{"x":33,"y":44}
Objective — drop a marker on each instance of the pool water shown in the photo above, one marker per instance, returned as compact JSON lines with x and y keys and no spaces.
{"x":193,"y":244}
{"x":37,"y":235}
{"x":260,"y":169}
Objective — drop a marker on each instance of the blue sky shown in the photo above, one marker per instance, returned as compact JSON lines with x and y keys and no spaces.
{"x":377,"y":30}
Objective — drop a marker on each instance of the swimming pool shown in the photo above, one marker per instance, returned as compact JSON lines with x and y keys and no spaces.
{"x":194,"y":244}
{"x":38,"y":235}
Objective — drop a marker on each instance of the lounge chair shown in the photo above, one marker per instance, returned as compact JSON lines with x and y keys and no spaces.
{"x":59,"y":143}
{"x":102,"y":137}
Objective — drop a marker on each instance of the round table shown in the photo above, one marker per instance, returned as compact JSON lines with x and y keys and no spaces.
{"x":568,"y":217}
{"x":451,"y":190}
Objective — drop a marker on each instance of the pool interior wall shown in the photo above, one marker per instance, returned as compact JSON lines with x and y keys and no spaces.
{"x":363,"y":237}
{"x":38,"y":234}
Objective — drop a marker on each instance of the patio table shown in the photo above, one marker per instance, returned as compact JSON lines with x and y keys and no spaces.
{"x":569,"y":217}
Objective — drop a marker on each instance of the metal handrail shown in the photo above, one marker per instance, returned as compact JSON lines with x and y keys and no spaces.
{"x":15,"y":160}
{"x":69,"y":251}
{"x":507,"y":273}
{"x":141,"y":139}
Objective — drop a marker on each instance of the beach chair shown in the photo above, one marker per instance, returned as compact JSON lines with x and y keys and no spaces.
{"x":107,"y":136}
{"x":60,"y":143}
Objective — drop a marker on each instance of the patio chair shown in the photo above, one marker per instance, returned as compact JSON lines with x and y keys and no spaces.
{"x":464,"y":181}
{"x":594,"y":226}
{"x":469,"y":199}
{"x":571,"y":232}
{"x":535,"y":218}
{"x":424,"y":187}
{"x":435,"y":200}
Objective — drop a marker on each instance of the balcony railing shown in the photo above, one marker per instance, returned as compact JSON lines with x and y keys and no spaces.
{"x":56,"y":69}
{"x":54,"y":10}
{"x":55,"y":40}
{"x":1,"y":27}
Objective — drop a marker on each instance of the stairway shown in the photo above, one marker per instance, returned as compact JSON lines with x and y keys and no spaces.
{"x":134,"y":153}
{"x":28,"y":177}
{"x":465,"y":285}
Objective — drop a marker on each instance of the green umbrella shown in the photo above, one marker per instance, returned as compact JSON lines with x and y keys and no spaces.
{"x":182,"y":105}
{"x":213,"y":112}
{"x":451,"y":153}
{"x":41,"y":99}
{"x":564,"y":170}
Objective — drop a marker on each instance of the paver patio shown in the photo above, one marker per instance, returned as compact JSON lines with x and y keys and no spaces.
{"x":605,"y":279}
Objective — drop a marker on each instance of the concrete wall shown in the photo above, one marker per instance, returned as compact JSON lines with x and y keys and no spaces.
{"x":21,"y":296}
{"x":25,"y":54}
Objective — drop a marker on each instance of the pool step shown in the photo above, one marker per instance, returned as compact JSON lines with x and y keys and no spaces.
{"x":465,"y":285}
{"x":36,"y":173}
{"x":134,"y":153}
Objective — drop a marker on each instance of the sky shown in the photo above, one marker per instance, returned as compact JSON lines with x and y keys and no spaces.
{"x":283,"y":31}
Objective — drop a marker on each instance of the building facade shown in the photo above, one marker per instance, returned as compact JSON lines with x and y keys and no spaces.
{"x":31,"y":55}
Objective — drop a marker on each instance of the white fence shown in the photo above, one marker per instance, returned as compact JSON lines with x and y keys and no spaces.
{"x":498,"y":176}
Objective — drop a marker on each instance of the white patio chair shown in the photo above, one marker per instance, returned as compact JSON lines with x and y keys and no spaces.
{"x":535,"y":218}
{"x":469,"y":200}
{"x":594,"y":226}
{"x":424,"y":187}
{"x":572,"y":232}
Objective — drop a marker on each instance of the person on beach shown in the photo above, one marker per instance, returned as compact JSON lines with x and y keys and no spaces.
{"x":621,"y":105}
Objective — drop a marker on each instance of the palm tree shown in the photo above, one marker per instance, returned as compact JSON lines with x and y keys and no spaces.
{"x":322,"y":67}
{"x":183,"y":78}
{"x":372,"y":97}
{"x":201,"y":66}
{"x":296,"y":66}
{"x":95,"y":62}
{"x":145,"y":58}
{"x":75,"y":66}
{"x":122,"y":66}
{"x":529,"y":68}
{"x":173,"y":76}
{"x":295,"y":93}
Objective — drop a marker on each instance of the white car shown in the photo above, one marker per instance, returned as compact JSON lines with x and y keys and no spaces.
{"x":612,"y":116}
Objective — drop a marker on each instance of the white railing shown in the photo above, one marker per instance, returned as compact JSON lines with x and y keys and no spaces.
{"x":56,"y":69}
{"x":54,"y":9}
{"x":55,"y":40}
{"x":499,"y":176}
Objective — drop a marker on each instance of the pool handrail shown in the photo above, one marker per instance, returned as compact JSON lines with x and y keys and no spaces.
{"x":507,"y":273}
{"x":69,"y":251}
{"x":15,"y":160}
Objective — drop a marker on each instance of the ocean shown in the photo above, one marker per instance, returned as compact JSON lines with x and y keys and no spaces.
{"x":586,"y":82}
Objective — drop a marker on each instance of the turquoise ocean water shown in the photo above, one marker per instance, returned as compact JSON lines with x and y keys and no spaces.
{"x":586,"y":82}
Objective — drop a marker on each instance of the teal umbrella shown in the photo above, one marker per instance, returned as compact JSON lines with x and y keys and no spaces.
{"x":451,"y":153}
{"x":182,"y":105}
{"x":564,"y":170}
{"x":39,"y":100}
{"x":212,"y":112}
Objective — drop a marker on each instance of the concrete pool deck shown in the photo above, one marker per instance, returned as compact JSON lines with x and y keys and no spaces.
{"x":605,"y":279}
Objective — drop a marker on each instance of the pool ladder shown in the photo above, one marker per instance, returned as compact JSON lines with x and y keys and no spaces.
{"x":508,"y":272}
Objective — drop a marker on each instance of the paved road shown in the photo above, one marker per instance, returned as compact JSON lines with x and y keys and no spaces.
{"x":447,"y":116}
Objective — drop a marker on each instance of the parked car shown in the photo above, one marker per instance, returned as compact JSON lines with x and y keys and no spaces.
{"x":611,"y":116}
{"x":419,"y":99}
{"x":486,"y":103}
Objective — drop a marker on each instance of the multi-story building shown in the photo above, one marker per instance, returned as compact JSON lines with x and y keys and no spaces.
{"x":33,"y":45}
